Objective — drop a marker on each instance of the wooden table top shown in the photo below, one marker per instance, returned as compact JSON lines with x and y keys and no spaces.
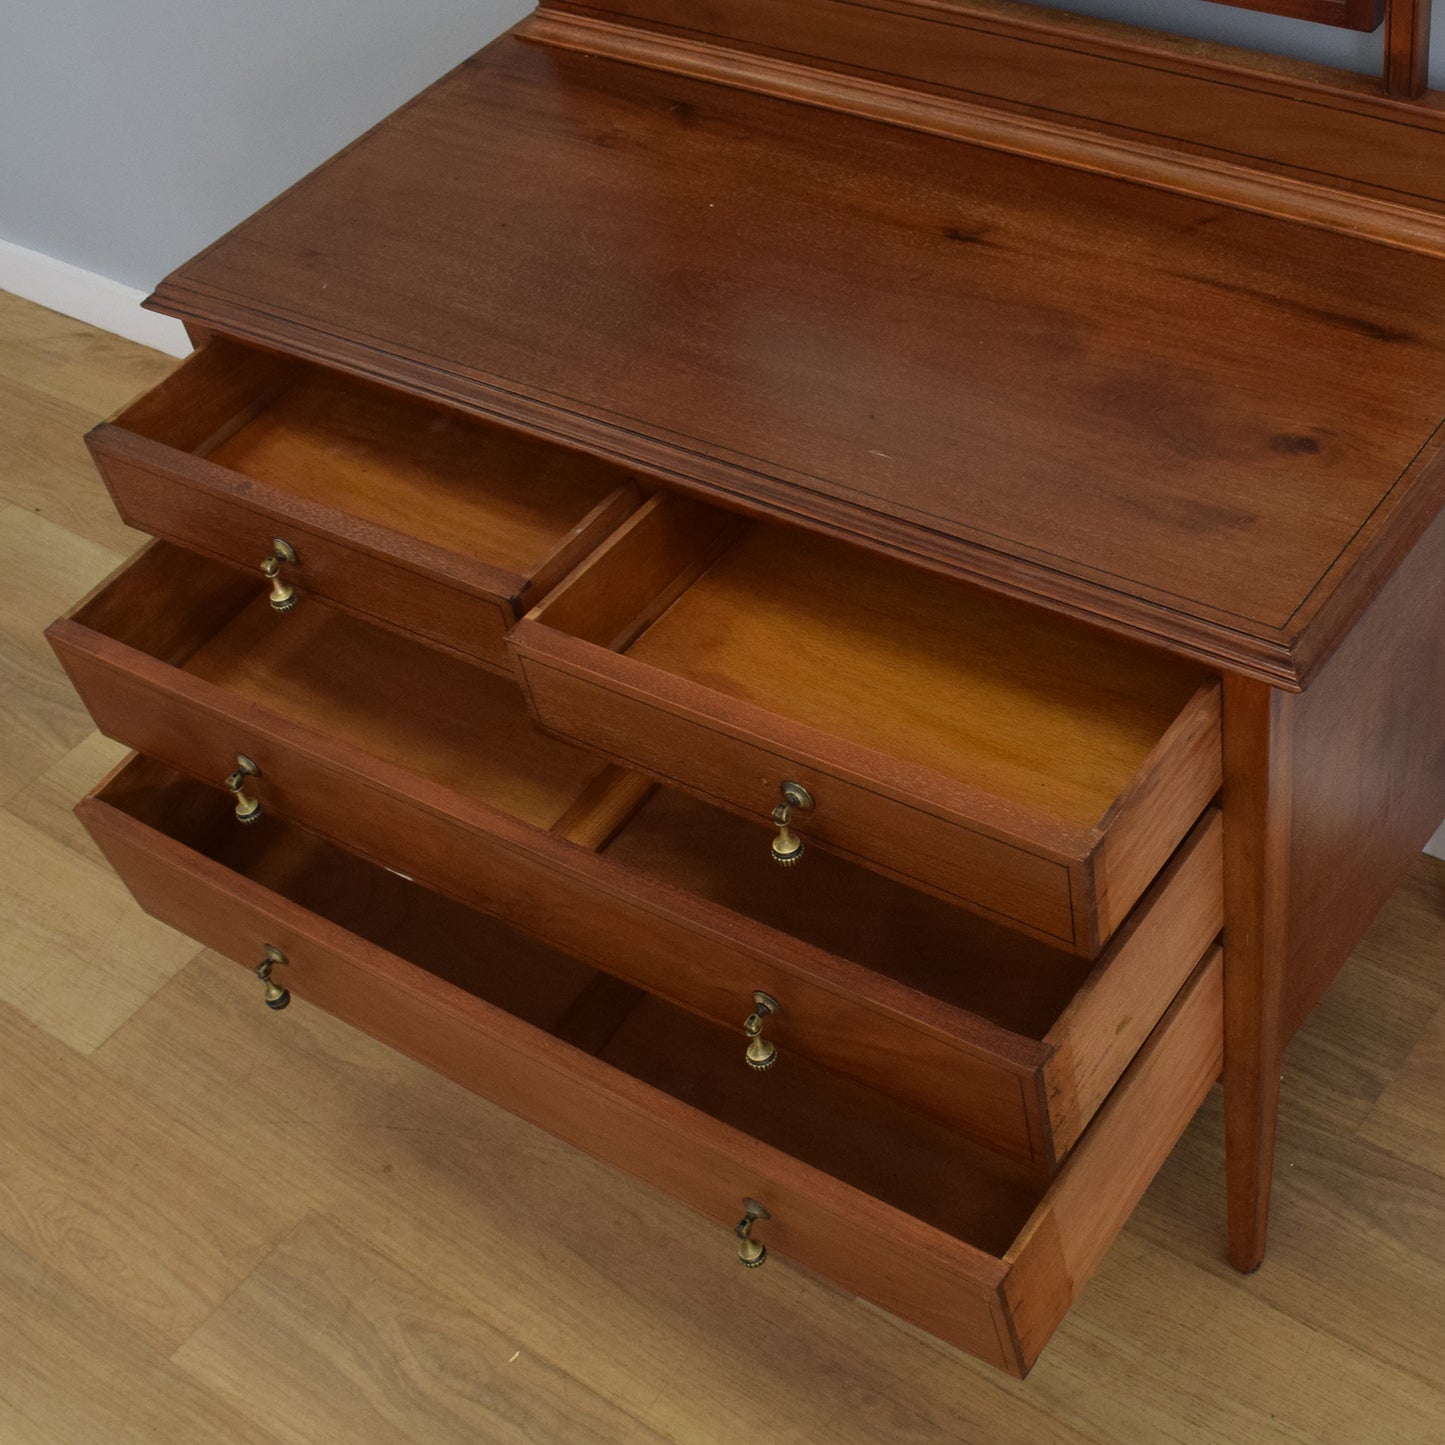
{"x":1191,"y":422}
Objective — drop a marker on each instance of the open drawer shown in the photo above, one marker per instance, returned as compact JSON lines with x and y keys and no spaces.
{"x":884,"y":1201}
{"x":409,"y":514}
{"x":1031,"y":767}
{"x":426,"y":764}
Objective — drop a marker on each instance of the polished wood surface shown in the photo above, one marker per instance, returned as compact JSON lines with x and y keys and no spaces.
{"x":433,"y":767}
{"x":1092,"y":1019}
{"x":1352,"y":14}
{"x":407,"y":514}
{"x":881,"y":1200}
{"x":1258,"y":783}
{"x":150,"y":1319}
{"x":1287,"y":117}
{"x":175,"y":633}
{"x":1368,"y":774}
{"x":1407,"y":48}
{"x":1070,"y":327}
{"x":1037,"y":770}
{"x":1311,"y":197}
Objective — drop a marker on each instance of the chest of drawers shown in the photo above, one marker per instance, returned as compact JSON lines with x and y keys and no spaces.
{"x":630,"y":469}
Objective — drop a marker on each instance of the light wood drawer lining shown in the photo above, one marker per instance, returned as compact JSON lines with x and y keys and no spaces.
{"x":1027,"y":765}
{"x":402,"y":511}
{"x":478,"y":785}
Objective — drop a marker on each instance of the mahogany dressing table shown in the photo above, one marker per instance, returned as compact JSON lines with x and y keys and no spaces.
{"x":984,"y":461}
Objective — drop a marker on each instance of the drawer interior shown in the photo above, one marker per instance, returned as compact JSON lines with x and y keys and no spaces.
{"x":843,"y":1128}
{"x":943,"y":951}
{"x":444,"y":479}
{"x":1030,"y":708}
{"x":387,"y":694}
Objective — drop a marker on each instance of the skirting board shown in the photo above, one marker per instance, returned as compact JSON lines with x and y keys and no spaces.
{"x":96,"y":300}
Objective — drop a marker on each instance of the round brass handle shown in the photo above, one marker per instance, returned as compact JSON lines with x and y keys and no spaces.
{"x":283,"y":595}
{"x":276,"y":996}
{"x":762,"y":1053}
{"x":751,"y":1252}
{"x":248,"y":809}
{"x":787,"y":846}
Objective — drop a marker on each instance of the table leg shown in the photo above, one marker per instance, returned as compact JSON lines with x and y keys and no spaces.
{"x":1257,"y":796}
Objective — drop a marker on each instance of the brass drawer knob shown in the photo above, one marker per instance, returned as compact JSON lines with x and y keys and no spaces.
{"x":751,"y":1252}
{"x":283,"y":595}
{"x":248,"y":809}
{"x":787,"y":846}
{"x":276,"y":996}
{"x":762,"y":1053}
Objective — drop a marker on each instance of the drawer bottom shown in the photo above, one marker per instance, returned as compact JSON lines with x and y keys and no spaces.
{"x":886,"y":1202}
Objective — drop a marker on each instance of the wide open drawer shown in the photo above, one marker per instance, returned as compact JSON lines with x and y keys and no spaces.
{"x":406,"y":513}
{"x":426,"y":764}
{"x":882,"y":1200}
{"x":1029,"y":766}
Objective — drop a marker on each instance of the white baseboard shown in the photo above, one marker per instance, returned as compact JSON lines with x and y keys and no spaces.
{"x":1436,"y":846}
{"x":96,"y":300}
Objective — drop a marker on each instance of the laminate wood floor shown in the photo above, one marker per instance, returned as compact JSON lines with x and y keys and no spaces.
{"x":219,"y":1224}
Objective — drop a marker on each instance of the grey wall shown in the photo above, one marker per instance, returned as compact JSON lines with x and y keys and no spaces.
{"x":132,"y":132}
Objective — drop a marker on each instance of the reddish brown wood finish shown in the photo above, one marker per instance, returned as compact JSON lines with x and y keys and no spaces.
{"x":1407,"y":48}
{"x":236,"y":448}
{"x":483,"y":846}
{"x":1258,"y":775}
{"x":1036,"y":770}
{"x":1352,"y":14}
{"x":944,"y":385}
{"x":997,"y":1299}
{"x":1368,"y":774}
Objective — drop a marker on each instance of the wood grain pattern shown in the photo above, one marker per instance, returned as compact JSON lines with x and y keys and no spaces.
{"x":911,"y":707}
{"x":1242,"y":496}
{"x":73,"y":1372}
{"x":1101,"y":73}
{"x":58,"y":376}
{"x":1407,"y":48}
{"x":1118,"y":1005}
{"x":354,"y":1345}
{"x":175,"y":616}
{"x":934,"y":1229}
{"x":1258,"y":783}
{"x":1352,"y":14}
{"x":1068,"y":1235}
{"x":401,"y":512}
{"x":40,"y":563}
{"x":1338,"y":1338}
{"x":1368,"y":774}
{"x":374,"y":741}
{"x":937,"y":1042}
{"x":1300,"y":196}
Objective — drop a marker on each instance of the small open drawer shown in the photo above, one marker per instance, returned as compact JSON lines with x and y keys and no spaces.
{"x":1032,"y":767}
{"x":409,"y":514}
{"x":884,"y":1201}
{"x":176,"y":656}
{"x":414,"y":758}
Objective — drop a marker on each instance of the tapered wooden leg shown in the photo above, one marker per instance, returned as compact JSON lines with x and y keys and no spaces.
{"x":1257,"y":795}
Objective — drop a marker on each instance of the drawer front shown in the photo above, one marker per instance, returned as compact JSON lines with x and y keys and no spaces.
{"x":1001,"y":1306}
{"x":1030,"y":767}
{"x":406,"y":514}
{"x":229,"y":521}
{"x":976,"y":1075}
{"x":1024,"y":1096}
{"x":992,"y":876}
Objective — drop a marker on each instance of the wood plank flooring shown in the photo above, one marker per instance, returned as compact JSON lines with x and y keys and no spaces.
{"x":219,"y":1224}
